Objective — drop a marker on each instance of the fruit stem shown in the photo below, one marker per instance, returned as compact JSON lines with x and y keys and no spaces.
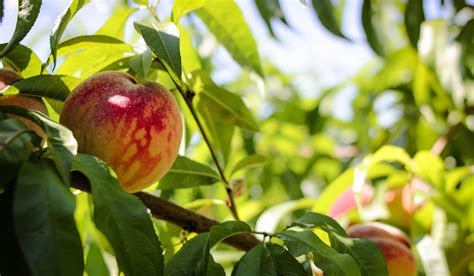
{"x":228,"y":189}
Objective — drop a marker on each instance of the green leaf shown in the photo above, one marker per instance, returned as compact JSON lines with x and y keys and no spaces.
{"x":163,"y":40}
{"x":16,"y":145}
{"x":414,"y":16}
{"x":225,"y":105}
{"x":123,"y":219}
{"x":328,"y":259}
{"x":50,"y":86}
{"x":219,"y":233}
{"x":61,"y":24}
{"x":268,"y":259}
{"x":115,"y":25}
{"x":219,"y":131}
{"x":389,"y":153}
{"x":189,"y":56}
{"x":214,"y":269}
{"x":367,"y":254}
{"x":95,"y":263}
{"x":369,"y":28}
{"x":98,"y":50}
{"x":141,"y":2}
{"x":430,"y":168}
{"x":186,"y":173}
{"x":23,"y":60}
{"x":141,"y":63}
{"x":327,"y":16}
{"x":270,"y":9}
{"x":254,"y":160}
{"x":61,"y":142}
{"x":43,"y":210}
{"x":87,"y":42}
{"x":28,"y":11}
{"x":312,"y":220}
{"x":226,"y":21}
{"x":183,"y":7}
{"x":188,"y":260}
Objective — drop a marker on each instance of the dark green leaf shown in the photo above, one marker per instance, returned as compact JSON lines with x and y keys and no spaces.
{"x":214,"y":269}
{"x":16,"y":145}
{"x":23,"y":60}
{"x":163,"y":40}
{"x":141,"y":63}
{"x":414,"y":16}
{"x":95,"y":264}
{"x":61,"y":142}
{"x":61,"y":24}
{"x":186,"y":173}
{"x":312,"y":220}
{"x":188,"y":260}
{"x":123,"y":219}
{"x":28,"y":11}
{"x":226,"y":21}
{"x":50,"y":86}
{"x":328,"y":259}
{"x":221,"y":232}
{"x":327,"y":16}
{"x":43,"y":210}
{"x":269,"y":10}
{"x":369,"y":28}
{"x":367,"y":254}
{"x":225,"y":230}
{"x":268,"y":259}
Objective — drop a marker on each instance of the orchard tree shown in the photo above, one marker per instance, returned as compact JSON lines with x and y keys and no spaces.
{"x":124,"y":154}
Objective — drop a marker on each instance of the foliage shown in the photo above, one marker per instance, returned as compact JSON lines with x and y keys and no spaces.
{"x":274,"y":176}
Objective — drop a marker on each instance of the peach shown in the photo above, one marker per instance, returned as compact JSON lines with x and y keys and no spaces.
{"x":7,"y":77}
{"x":135,"y":128}
{"x":377,"y":229}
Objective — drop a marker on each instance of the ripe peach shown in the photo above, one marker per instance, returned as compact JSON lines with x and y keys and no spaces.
{"x":135,"y":128}
{"x":400,"y":260}
{"x":377,"y":229}
{"x":7,"y":77}
{"x":346,"y":201}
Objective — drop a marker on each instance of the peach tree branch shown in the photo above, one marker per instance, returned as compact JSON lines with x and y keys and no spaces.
{"x":166,"y":210}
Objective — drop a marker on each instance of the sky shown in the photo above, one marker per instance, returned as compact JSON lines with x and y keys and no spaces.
{"x":317,"y":58}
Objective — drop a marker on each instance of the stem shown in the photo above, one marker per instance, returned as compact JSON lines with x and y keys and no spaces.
{"x":188,"y":98}
{"x":231,"y":203}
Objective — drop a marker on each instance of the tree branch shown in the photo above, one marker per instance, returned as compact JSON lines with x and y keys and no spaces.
{"x":166,"y":210}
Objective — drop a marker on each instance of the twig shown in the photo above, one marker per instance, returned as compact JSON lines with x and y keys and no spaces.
{"x":228,"y":190}
{"x":188,"y":96}
{"x":168,"y":211}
